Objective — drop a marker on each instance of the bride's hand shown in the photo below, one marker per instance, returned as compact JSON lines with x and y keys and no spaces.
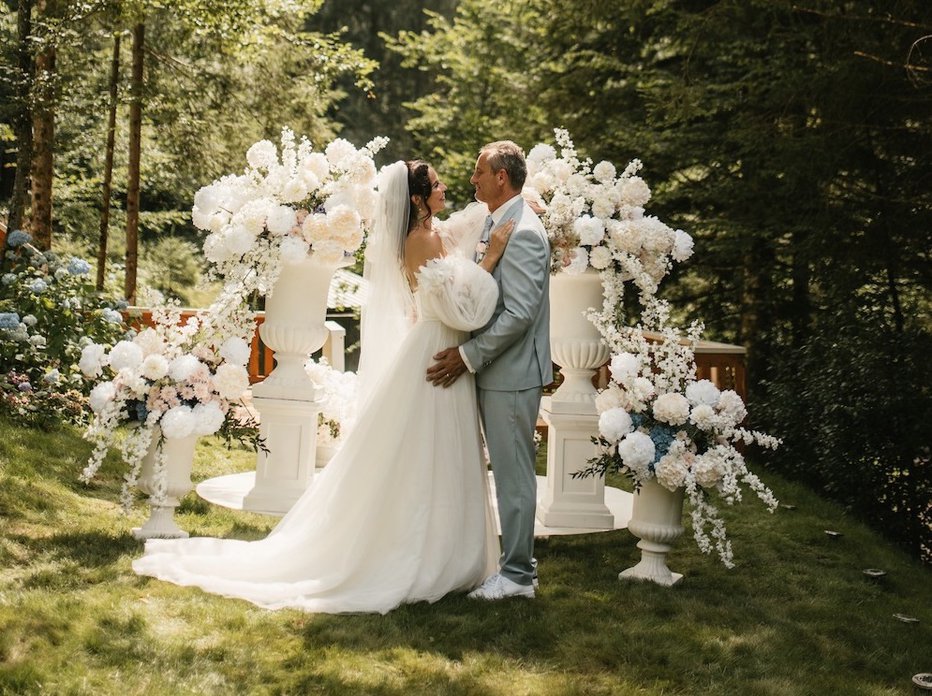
{"x":498,"y":240}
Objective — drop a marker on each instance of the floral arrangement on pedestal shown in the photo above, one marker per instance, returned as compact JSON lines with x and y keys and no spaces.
{"x":174,"y":378}
{"x":595,"y":217}
{"x":338,"y":401}
{"x":49,"y":310}
{"x":285,"y":206}
{"x":657,"y":421}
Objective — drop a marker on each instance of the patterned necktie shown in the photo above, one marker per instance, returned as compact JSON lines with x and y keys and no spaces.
{"x":484,"y":239}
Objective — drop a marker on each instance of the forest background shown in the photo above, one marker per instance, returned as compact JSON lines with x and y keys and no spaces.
{"x":792,"y":139}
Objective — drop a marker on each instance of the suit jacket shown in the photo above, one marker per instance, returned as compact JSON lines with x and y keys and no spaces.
{"x":512,"y":351}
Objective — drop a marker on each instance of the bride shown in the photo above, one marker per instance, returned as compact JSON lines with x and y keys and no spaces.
{"x":401,"y":513}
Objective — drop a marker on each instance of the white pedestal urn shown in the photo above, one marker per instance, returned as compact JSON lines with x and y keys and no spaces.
{"x":286,"y":399}
{"x":657,"y":520}
{"x":570,"y":414}
{"x":178,"y":456}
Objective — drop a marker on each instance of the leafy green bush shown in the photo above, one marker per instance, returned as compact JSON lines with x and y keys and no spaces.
{"x":48,"y":311}
{"x":853,"y":406}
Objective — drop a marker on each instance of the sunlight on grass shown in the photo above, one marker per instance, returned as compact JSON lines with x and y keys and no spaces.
{"x":796,"y":616}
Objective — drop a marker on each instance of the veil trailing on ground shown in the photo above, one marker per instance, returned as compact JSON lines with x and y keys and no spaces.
{"x":388,"y":311}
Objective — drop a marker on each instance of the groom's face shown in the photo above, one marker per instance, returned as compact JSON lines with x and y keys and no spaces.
{"x":489,"y":184}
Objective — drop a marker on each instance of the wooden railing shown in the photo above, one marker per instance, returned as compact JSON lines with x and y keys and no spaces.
{"x":261,"y":358}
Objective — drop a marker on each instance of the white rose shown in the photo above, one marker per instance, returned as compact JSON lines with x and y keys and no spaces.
{"x":230,"y":381}
{"x":177,"y":422}
{"x":314,"y":228}
{"x":101,"y":395}
{"x":614,"y":424}
{"x":624,"y":367}
{"x":343,"y":220}
{"x":235,"y":350}
{"x":672,"y":408}
{"x":154,"y":367}
{"x":125,"y":354}
{"x":703,"y":392}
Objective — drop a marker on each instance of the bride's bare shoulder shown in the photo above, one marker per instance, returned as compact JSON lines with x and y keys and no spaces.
{"x":420,"y":247}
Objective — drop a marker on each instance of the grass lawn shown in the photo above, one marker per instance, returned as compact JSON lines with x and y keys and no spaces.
{"x":796,"y":616}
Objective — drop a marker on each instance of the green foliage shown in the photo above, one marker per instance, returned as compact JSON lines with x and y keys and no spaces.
{"x":74,"y":618}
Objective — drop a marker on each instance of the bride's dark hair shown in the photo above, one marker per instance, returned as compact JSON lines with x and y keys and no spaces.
{"x":418,"y":185}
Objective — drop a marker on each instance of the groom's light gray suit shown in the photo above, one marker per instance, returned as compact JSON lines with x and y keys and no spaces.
{"x":511,"y":357}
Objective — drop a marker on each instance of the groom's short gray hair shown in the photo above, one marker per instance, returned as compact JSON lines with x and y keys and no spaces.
{"x":504,"y":154}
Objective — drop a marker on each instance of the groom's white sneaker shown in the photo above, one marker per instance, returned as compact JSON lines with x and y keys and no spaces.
{"x":499,"y":587}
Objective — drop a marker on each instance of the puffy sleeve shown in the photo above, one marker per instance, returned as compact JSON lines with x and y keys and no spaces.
{"x":457,"y":291}
{"x":462,"y":230}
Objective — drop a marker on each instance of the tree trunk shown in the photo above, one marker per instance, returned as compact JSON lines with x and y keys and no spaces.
{"x":132,"y":188}
{"x":756,"y":314}
{"x":802,"y":303}
{"x":108,"y":165}
{"x":22,"y":118}
{"x":43,"y":139}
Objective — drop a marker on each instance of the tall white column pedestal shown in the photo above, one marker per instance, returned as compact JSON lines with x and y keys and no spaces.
{"x":289,"y":427}
{"x":568,"y":501}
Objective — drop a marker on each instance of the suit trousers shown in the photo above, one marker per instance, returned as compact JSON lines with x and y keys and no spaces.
{"x":508,"y":420}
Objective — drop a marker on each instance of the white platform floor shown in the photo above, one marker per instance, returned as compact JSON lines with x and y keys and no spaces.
{"x":229,"y":491}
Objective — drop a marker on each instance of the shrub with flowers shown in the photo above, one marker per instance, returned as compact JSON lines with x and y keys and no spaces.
{"x":337,"y":398}
{"x":171,"y":380}
{"x":595,"y":217}
{"x":657,"y":421}
{"x":49,"y":310}
{"x":287,"y":205}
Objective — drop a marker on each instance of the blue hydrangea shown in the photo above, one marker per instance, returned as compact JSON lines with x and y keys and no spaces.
{"x":9,"y":320}
{"x":52,"y":376}
{"x":8,"y":278}
{"x":38,"y":286}
{"x":113,"y":316}
{"x":122,"y":304}
{"x":24,"y":387}
{"x":78,"y":266}
{"x":662,"y":436}
{"x":17,"y":238}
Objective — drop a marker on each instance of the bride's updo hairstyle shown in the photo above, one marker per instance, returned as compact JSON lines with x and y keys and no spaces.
{"x":418,"y":185}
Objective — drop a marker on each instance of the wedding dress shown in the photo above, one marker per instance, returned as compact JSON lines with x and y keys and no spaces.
{"x":401,"y":513}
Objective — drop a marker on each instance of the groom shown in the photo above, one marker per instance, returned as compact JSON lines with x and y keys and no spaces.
{"x":511,"y":358}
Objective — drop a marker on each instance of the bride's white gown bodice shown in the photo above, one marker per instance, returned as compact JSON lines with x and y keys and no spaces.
{"x":401,"y":513}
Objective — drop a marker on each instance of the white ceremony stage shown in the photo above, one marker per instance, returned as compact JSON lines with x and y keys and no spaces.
{"x":229,"y":491}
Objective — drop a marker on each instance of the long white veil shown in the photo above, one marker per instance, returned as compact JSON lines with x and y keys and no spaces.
{"x":388,"y":311}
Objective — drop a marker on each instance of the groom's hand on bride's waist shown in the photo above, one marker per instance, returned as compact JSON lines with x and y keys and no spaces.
{"x":447,"y":369}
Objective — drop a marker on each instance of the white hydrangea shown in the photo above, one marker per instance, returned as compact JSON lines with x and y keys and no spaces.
{"x":604,"y":172}
{"x":671,"y":471}
{"x":230,"y":381}
{"x":328,"y":251}
{"x":624,"y":367}
{"x":579,"y":261}
{"x":293,"y":249}
{"x":637,"y":451}
{"x":614,"y":424}
{"x":731,"y":405}
{"x":710,"y":468}
{"x":154,"y":367}
{"x":682,"y":246}
{"x":672,"y":408}
{"x":591,"y":230}
{"x":149,"y":341}
{"x":101,"y":395}
{"x":316,"y":165}
{"x":251,"y":217}
{"x":703,"y":392}
{"x":642,"y":389}
{"x":281,"y":219}
{"x":235,"y":350}
{"x":207,"y":418}
{"x":93,"y":358}
{"x":608,"y":398}
{"x":181,"y":368}
{"x":634,"y":191}
{"x":262,"y":155}
{"x":238,"y":240}
{"x":603,"y":206}
{"x":296,"y":189}
{"x":343,"y":221}
{"x":177,"y":422}
{"x":539,"y":155}
{"x":340,"y":152}
{"x":125,"y":354}
{"x":703,"y":417}
{"x":600,"y":258}
{"x":314,"y":228}
{"x":626,"y":235}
